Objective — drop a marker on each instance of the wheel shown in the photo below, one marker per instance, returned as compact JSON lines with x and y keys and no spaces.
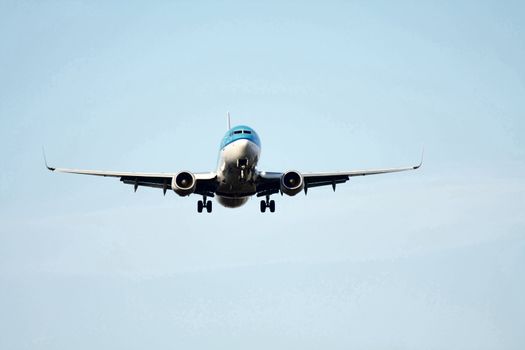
{"x":272,"y":206}
{"x":263,"y":206}
{"x":209,"y":207}
{"x":200,"y":206}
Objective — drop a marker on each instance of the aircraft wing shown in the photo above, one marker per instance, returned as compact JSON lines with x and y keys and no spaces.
{"x":270,"y":182}
{"x":205,"y":181}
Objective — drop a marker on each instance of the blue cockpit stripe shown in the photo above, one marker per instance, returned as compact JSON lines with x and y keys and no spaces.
{"x":243,"y":133}
{"x":232,"y":140}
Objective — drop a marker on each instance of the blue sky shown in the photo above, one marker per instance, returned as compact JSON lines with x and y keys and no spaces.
{"x":432,"y":259}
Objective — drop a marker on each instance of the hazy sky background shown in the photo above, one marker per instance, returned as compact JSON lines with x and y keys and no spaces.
{"x":426,"y":260}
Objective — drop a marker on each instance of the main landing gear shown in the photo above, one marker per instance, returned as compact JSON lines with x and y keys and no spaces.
{"x":205,"y":203}
{"x":267,"y":204}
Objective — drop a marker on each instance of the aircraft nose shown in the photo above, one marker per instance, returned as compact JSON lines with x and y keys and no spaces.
{"x":243,"y":145}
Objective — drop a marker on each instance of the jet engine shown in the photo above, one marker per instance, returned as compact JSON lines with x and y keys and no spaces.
{"x":184,"y":183}
{"x":292,"y":183}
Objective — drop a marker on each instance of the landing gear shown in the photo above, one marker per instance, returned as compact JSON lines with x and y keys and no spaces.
{"x":268,"y":204}
{"x":205,"y":203}
{"x":242,"y":165}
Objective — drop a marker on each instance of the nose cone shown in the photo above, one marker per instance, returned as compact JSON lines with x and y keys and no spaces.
{"x":247,"y":147}
{"x":241,"y":149}
{"x":242,"y":145}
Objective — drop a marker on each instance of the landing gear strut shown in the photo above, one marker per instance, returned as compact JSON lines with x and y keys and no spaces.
{"x":267,"y":204}
{"x":205,"y":203}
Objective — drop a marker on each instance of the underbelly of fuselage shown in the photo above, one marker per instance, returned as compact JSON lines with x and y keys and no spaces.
{"x":229,"y":202}
{"x":237,"y":173}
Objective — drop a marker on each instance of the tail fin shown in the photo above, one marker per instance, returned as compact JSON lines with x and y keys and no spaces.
{"x":229,"y":121}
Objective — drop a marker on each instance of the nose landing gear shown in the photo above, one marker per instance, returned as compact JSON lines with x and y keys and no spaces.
{"x":205,"y":203}
{"x":267,"y":204}
{"x":244,"y":173}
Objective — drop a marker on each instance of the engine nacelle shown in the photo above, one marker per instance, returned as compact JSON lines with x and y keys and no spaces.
{"x":183,"y":183}
{"x":292,"y":183}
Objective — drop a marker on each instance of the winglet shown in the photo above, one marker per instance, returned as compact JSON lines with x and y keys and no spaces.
{"x":229,"y":121}
{"x":45,"y":160}
{"x":421,"y":161}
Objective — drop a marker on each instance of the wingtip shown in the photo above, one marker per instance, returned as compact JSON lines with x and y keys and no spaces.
{"x":421,"y":161}
{"x":45,"y":160}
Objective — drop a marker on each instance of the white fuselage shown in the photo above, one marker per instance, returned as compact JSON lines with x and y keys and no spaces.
{"x":236,"y":172}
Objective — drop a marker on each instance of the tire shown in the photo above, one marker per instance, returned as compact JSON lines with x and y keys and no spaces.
{"x":209,"y":207}
{"x":200,"y":206}
{"x":263,"y":206}
{"x":272,"y":206}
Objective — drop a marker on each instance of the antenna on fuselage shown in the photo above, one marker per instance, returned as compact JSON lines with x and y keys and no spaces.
{"x":229,"y":121}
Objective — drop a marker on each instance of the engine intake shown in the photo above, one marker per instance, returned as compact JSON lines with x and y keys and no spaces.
{"x":292,"y":183}
{"x":184,"y":183}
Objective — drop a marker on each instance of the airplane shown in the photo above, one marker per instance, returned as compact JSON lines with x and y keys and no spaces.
{"x":237,"y":178}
